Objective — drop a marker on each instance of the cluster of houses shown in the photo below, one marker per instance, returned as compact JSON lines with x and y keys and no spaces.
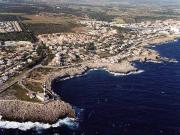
{"x":103,"y":40}
{"x":98,"y":40}
{"x":166,"y":27}
{"x":14,"y":57}
{"x":9,"y":26}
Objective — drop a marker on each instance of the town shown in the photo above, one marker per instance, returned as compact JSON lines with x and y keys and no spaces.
{"x":90,"y":67}
{"x":104,"y":40}
{"x":98,"y":42}
{"x":14,"y":57}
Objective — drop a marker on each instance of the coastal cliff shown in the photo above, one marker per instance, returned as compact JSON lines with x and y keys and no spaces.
{"x":50,"y":112}
{"x":15,"y":110}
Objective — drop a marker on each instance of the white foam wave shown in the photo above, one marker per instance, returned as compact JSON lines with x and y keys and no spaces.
{"x":154,"y":61}
{"x":70,"y":122}
{"x":67,"y":78}
{"x":116,"y":73}
{"x":176,"y":61}
{"x":85,"y":73}
{"x":176,"y":40}
{"x":123,"y":74}
{"x":95,"y":69}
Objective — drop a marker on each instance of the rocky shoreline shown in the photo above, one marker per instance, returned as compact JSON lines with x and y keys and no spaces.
{"x":51,"y":112}
{"x":124,"y":67}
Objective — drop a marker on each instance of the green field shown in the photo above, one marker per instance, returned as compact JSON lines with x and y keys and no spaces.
{"x":20,"y":93}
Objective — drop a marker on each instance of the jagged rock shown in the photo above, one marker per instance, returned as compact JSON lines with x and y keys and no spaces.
{"x":21,"y":111}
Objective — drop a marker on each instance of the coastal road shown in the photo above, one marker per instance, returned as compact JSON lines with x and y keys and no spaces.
{"x":17,"y":79}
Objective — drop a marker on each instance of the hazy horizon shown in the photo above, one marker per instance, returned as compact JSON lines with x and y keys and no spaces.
{"x":102,"y":2}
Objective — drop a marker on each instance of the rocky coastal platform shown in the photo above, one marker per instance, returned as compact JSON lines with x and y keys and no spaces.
{"x":51,"y":112}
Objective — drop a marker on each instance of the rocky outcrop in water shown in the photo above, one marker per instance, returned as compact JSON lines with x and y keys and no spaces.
{"x":21,"y":111}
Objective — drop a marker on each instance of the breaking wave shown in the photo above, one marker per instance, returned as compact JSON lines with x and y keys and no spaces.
{"x":69,"y":122}
{"x":123,"y":74}
{"x":116,"y":73}
{"x":105,"y":69}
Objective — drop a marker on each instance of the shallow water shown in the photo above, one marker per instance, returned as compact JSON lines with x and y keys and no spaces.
{"x":138,"y":104}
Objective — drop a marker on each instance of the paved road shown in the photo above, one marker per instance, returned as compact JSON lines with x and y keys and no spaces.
{"x":17,"y":79}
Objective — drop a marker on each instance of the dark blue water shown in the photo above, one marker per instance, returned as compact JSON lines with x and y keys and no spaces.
{"x":139,"y":104}
{"x":143,"y":104}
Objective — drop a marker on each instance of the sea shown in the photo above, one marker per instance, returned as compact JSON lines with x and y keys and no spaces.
{"x":143,"y":103}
